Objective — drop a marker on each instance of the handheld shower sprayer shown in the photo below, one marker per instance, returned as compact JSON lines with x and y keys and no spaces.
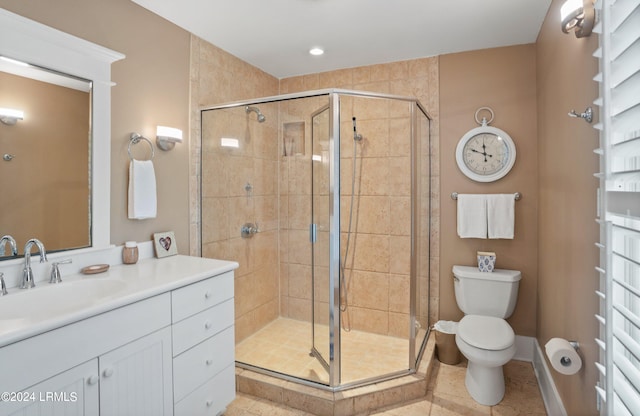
{"x":356,"y":136}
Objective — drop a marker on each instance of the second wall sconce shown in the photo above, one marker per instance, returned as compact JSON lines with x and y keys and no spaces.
{"x":167,"y":137}
{"x":579,"y":16}
{"x":9,"y":116}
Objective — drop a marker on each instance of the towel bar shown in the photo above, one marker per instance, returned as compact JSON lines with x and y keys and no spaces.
{"x":516,"y":196}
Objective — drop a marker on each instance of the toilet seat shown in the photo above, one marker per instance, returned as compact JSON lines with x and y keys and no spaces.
{"x":486,"y":332}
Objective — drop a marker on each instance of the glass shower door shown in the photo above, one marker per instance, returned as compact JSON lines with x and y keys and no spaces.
{"x":319,"y":235}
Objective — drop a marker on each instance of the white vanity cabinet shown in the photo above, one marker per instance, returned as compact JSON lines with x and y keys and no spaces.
{"x":170,"y":353}
{"x":136,"y":379}
{"x":73,"y":392}
{"x":118,"y":342}
{"x":203,"y":346}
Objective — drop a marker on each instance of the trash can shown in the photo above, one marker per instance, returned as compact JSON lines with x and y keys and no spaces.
{"x":447,"y":351}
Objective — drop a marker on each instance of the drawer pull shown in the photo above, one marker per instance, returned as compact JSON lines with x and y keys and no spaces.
{"x":209,"y":403}
{"x":207,"y":325}
{"x":207,"y":294}
{"x":209,"y":362}
{"x":107,"y":372}
{"x":92,"y":380}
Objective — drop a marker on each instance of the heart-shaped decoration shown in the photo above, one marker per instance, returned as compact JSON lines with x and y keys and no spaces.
{"x":165,"y":242}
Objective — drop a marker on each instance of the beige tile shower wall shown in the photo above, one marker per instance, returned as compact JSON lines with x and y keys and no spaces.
{"x":296,"y":211}
{"x":218,"y":77}
{"x":378,"y":263}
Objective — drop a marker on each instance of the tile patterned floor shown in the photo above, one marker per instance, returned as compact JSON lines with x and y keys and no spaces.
{"x":284,"y":346}
{"x":446,"y":396}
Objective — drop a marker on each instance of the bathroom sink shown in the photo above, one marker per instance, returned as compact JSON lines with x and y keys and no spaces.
{"x":46,"y":300}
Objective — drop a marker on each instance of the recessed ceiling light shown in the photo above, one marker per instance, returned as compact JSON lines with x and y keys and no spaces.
{"x":316,"y":51}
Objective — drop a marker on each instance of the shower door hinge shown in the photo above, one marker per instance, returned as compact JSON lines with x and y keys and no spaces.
{"x":313,"y":233}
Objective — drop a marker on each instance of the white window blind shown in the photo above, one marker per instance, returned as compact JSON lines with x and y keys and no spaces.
{"x":619,"y":206}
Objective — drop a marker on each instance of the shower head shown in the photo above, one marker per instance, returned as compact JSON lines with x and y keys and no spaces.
{"x":261,"y":117}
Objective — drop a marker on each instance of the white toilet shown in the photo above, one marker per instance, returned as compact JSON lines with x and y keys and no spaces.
{"x":484,"y":337}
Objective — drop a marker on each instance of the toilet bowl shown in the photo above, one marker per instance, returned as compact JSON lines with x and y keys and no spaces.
{"x":488,"y":343}
{"x":483,"y":336}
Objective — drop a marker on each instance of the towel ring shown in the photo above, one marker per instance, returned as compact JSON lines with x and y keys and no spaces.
{"x":135,"y":139}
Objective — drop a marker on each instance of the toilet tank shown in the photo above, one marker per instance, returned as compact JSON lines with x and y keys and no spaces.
{"x":486,"y":293}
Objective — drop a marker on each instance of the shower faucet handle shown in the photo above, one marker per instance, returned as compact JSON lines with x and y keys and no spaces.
{"x":249,"y":229}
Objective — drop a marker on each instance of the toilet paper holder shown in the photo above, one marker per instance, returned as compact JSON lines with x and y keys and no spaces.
{"x":567,"y":360}
{"x":564,"y":355}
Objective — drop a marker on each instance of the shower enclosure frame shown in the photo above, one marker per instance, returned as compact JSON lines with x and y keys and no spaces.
{"x":334,"y":359}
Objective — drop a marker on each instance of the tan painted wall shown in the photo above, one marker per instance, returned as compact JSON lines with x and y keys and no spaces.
{"x":503,"y":79}
{"x":152,"y":88}
{"x":567,"y":204}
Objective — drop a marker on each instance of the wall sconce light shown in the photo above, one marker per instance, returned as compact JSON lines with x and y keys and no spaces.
{"x":167,"y":137}
{"x":578,"y":15}
{"x":9,"y":116}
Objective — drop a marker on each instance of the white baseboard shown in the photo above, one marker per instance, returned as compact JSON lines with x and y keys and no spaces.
{"x":550,"y":395}
{"x":524,"y":348}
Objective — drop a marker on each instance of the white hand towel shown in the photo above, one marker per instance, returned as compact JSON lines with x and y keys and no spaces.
{"x":142,"y":190}
{"x":472,"y":216}
{"x":501,"y":215}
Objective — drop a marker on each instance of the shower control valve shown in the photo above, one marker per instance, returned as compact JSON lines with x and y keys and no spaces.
{"x":249,"y":229}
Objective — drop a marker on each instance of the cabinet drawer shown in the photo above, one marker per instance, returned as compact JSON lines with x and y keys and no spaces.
{"x":195,"y":366}
{"x":211,"y":398}
{"x":199,"y":296}
{"x":201,"y":326}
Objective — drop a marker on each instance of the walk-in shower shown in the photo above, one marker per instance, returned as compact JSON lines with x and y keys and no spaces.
{"x":333,"y":284}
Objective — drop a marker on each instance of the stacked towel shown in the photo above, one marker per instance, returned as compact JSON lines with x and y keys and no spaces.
{"x":472,"y":216}
{"x":480,"y":216}
{"x":142,"y":190}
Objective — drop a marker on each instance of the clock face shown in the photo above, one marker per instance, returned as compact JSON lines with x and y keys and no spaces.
{"x":485,"y":154}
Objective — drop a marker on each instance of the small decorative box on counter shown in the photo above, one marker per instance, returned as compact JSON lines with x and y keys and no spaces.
{"x":486,"y":261}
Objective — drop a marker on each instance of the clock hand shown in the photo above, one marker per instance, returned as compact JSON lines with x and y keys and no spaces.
{"x":484,"y":153}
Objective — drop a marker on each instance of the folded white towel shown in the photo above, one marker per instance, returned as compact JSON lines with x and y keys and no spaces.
{"x":472,"y":216}
{"x":501,"y":215}
{"x":142,"y":190}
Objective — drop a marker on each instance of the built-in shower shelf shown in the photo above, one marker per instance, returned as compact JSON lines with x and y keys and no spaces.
{"x":293,"y":138}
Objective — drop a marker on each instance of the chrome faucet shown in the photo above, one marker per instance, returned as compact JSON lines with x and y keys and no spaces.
{"x":55,"y":276}
{"x":12,"y":243}
{"x":27,"y":274}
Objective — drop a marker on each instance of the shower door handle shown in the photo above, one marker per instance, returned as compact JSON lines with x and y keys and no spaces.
{"x":313,"y":233}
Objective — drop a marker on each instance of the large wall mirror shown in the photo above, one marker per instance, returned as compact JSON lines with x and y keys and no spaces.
{"x":55,"y":161}
{"x":45,"y":165}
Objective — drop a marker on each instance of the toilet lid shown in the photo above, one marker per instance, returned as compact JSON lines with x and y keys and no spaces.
{"x":486,"y":332}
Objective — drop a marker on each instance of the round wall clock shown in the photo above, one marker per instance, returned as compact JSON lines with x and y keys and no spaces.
{"x":485,"y":154}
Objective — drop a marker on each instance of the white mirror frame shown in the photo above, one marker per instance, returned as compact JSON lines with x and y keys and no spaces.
{"x":35,"y":43}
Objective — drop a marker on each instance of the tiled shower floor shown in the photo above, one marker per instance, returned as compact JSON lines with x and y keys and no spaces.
{"x":284,"y":346}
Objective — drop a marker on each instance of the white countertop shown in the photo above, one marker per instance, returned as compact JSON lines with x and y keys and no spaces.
{"x":25,"y":313}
